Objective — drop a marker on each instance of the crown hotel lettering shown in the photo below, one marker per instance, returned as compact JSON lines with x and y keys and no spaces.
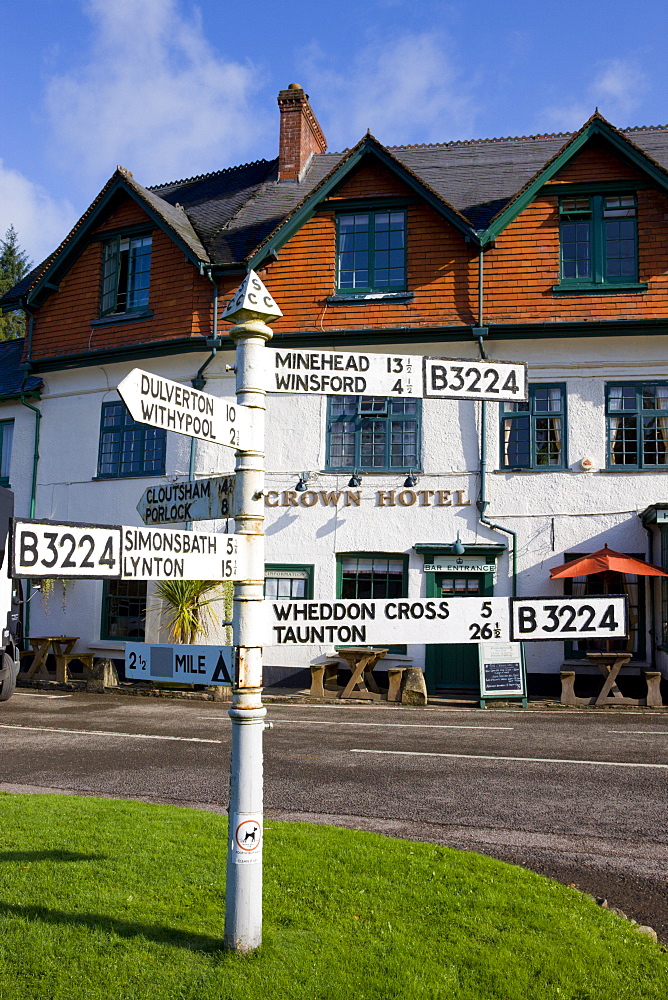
{"x":353,"y":498}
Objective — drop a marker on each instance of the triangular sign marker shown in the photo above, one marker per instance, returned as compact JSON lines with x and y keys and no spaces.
{"x":251,"y":301}
{"x":221,"y":672}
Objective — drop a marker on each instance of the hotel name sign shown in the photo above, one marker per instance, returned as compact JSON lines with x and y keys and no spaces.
{"x":353,"y":498}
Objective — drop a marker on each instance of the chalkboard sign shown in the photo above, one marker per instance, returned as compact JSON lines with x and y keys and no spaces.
{"x":501,"y":670}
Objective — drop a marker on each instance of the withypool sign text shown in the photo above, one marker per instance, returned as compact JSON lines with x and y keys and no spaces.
{"x":159,"y":402}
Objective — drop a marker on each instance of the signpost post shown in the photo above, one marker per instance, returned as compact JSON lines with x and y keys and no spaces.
{"x":250,"y":308}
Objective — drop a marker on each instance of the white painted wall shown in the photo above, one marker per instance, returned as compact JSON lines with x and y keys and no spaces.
{"x":552,"y":512}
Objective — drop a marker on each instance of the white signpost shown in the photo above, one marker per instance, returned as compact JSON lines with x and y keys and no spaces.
{"x":342,"y":373}
{"x":194,"y":500}
{"x":549,"y":618}
{"x":373,"y":622}
{"x":159,"y":402}
{"x":208,"y":665}
{"x":168,"y":554}
{"x":44,"y":550}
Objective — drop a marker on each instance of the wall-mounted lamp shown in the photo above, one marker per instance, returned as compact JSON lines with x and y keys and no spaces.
{"x":410,"y":479}
{"x":301,"y":482}
{"x":355,"y":479}
{"x":457,"y":547}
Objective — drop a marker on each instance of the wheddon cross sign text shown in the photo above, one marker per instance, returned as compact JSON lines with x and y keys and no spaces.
{"x":458,"y":620}
{"x":42,"y":549}
{"x":159,"y":402}
{"x":360,"y":623}
{"x":400,"y":375}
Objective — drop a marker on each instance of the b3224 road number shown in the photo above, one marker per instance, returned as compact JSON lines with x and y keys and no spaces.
{"x":43,"y":549}
{"x":569,"y":618}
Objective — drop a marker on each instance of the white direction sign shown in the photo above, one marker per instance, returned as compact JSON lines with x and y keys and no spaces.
{"x":569,"y":618}
{"x":362,"y":623}
{"x":43,"y":549}
{"x":194,"y":500}
{"x":168,"y":554}
{"x":145,"y":661}
{"x":159,"y":402}
{"x":492,"y":380}
{"x":342,"y":373}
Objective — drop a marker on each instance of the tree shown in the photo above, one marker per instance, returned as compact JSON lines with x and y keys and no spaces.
{"x":14,"y":265}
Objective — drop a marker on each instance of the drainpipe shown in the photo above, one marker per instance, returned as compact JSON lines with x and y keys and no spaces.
{"x":198,"y":382}
{"x":652,"y":598}
{"x":35,"y":454}
{"x":483,"y":503}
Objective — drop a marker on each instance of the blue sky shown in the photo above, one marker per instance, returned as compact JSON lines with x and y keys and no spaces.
{"x":174,"y":88}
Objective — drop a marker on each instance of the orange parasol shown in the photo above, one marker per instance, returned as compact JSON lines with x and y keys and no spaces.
{"x":605,"y":561}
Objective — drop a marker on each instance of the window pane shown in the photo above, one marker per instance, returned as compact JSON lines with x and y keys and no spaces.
{"x":373,"y":440}
{"x":517,"y":442}
{"x":6,"y":436}
{"x":128,"y":448}
{"x":124,"y":603}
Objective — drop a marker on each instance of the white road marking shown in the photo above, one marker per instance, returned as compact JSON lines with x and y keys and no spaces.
{"x":101,"y":732}
{"x":639,"y":732}
{"x":530,"y":760}
{"x":362,"y":725}
{"x":22,"y":694}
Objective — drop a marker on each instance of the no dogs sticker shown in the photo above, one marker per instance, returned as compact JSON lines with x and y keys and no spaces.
{"x":247,"y":843}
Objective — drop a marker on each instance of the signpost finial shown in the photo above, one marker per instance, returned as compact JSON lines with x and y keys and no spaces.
{"x":251,"y":301}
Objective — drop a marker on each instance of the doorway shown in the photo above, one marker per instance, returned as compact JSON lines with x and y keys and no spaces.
{"x":455,"y":665}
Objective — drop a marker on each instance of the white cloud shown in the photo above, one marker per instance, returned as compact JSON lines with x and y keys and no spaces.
{"x":153,"y":95}
{"x":41,"y":222}
{"x":616,"y":91}
{"x":406,"y":89}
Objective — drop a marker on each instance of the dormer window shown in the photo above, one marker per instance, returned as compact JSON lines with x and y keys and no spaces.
{"x":599,"y":243}
{"x":125,"y":274}
{"x":371,"y":251}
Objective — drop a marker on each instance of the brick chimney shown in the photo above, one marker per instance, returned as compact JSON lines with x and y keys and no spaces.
{"x":301,"y":135}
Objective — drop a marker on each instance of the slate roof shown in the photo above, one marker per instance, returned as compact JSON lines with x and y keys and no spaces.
{"x":222,"y":218}
{"x":11,"y":375}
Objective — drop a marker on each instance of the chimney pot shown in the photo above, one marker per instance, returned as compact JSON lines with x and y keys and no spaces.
{"x":300,"y":135}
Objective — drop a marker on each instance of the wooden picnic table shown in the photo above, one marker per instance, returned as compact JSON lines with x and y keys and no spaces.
{"x":42,"y":645}
{"x":610,"y":663}
{"x":362,"y":683}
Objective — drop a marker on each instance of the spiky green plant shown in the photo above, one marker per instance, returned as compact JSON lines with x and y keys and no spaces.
{"x":187,"y":607}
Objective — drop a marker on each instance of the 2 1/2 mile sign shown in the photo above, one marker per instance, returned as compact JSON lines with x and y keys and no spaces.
{"x":160,"y":402}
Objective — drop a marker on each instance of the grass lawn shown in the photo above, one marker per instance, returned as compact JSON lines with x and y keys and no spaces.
{"x":122,"y":901}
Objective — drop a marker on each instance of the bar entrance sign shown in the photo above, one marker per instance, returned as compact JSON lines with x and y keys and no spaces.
{"x":145,"y":661}
{"x":502,"y":671}
{"x":193,"y":500}
{"x":159,"y":402}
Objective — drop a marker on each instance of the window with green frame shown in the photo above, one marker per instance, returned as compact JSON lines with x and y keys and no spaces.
{"x":637,"y":419}
{"x":371,"y":251}
{"x":372,"y":575}
{"x":128,"y":448}
{"x":533,"y":431}
{"x":598,"y":239}
{"x":6,"y":437}
{"x":123,"y":609}
{"x":126,"y":268}
{"x":284,"y":582}
{"x":373,"y":433}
